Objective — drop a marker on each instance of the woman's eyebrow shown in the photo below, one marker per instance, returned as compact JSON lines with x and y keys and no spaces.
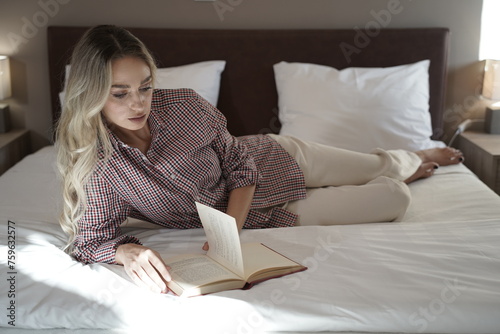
{"x":128,"y":86}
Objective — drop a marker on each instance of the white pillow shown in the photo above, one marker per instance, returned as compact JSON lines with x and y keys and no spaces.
{"x":203,"y":77}
{"x":358,"y":109}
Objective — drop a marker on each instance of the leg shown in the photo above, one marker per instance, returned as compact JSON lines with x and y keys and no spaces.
{"x":381,"y":200}
{"x":330,"y":166}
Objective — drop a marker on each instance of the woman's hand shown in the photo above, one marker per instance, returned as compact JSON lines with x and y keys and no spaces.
{"x":144,"y":266}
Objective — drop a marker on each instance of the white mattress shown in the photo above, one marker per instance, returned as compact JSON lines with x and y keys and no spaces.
{"x":436,"y":272}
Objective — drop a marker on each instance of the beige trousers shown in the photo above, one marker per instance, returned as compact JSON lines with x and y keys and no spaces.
{"x":346,"y":187}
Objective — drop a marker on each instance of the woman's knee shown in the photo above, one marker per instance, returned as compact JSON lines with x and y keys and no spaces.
{"x":397,"y":195}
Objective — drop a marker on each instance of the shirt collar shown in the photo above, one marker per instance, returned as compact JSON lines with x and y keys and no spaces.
{"x":115,"y":141}
{"x":155,"y":124}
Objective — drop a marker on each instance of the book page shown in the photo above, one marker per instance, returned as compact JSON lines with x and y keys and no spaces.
{"x":223,"y":238}
{"x":195,"y":270}
{"x":258,"y":257}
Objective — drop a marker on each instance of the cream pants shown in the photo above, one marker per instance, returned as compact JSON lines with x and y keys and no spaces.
{"x":346,"y":187}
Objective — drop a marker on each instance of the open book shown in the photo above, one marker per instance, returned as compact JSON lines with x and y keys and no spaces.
{"x":227,"y":264}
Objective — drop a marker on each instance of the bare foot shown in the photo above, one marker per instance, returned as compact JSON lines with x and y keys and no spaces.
{"x":442,"y":156}
{"x":425,"y":170}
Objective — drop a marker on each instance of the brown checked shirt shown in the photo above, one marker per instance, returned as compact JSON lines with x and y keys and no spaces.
{"x":192,"y":157}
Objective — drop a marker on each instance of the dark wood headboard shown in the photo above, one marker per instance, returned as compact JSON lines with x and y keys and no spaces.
{"x":248,"y":94}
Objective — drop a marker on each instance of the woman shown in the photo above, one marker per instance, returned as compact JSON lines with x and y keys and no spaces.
{"x":127,"y":150}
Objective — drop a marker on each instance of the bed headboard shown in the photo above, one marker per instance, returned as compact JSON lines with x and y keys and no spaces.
{"x":248,"y":94}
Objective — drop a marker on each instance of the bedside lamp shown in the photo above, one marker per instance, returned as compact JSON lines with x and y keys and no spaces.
{"x":5,"y":92}
{"x":491,"y":91}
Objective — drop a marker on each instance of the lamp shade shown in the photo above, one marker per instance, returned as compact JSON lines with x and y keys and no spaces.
{"x":5,"y":90}
{"x":491,"y":81}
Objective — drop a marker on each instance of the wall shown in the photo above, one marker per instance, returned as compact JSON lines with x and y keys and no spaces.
{"x":23,"y":37}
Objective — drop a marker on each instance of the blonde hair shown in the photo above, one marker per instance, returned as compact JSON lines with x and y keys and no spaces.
{"x":81,"y":135}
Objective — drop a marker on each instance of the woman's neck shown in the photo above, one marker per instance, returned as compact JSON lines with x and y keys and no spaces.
{"x":140,"y":139}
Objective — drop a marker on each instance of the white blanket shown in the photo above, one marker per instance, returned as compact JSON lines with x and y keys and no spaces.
{"x":436,"y":272}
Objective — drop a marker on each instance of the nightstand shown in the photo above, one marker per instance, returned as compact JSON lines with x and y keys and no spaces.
{"x":482,"y":156}
{"x":14,"y":145}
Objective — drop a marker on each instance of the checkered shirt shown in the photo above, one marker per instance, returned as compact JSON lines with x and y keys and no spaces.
{"x":192,"y":157}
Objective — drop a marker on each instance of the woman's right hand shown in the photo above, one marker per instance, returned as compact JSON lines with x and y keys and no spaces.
{"x":144,"y":266}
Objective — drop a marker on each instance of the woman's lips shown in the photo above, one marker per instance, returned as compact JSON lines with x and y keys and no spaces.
{"x":137,"y":119}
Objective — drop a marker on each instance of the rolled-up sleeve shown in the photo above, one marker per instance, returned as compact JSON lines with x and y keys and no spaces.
{"x":99,"y":232}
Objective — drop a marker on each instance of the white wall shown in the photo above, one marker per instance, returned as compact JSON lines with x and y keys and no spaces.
{"x":27,"y":20}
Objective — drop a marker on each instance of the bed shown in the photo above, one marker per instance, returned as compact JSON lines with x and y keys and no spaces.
{"x":437,"y":271}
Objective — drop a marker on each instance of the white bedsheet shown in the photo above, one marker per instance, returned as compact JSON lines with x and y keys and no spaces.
{"x":436,"y":272}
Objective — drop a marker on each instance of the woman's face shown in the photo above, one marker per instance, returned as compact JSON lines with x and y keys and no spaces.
{"x":129,"y":102}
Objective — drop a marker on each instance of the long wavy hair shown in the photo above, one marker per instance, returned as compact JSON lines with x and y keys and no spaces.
{"x":82,"y":138}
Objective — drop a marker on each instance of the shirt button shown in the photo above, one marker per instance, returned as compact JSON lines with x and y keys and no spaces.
{"x":173,"y":177}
